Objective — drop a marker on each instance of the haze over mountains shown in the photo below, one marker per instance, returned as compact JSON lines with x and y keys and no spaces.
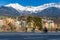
{"x":15,"y":9}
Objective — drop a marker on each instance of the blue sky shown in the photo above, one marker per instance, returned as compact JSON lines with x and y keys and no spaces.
{"x":28,"y":2}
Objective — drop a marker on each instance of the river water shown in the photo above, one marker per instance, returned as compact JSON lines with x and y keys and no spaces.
{"x":29,"y":36}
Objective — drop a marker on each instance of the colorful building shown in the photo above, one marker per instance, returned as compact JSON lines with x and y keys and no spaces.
{"x":49,"y":24}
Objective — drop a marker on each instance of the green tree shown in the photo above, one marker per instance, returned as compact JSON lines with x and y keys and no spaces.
{"x":38,"y":22}
{"x":29,"y":19}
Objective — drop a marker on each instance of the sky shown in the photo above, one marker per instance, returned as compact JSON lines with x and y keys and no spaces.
{"x":28,"y":2}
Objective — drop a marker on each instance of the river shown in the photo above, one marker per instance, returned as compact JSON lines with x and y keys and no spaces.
{"x":29,"y":36}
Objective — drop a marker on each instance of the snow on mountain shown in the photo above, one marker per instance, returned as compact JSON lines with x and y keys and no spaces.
{"x":21,"y":8}
{"x":44,"y":6}
{"x":16,"y":6}
{"x":32,"y":8}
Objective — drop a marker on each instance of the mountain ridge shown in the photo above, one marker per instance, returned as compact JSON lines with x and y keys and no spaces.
{"x":43,"y":10}
{"x":34,"y":9}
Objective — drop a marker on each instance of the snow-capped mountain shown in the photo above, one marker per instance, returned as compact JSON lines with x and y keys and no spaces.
{"x":15,"y":9}
{"x":34,"y":9}
{"x":21,"y":8}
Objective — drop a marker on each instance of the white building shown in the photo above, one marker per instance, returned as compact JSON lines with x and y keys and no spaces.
{"x":17,"y":24}
{"x":20,"y":23}
{"x":23,"y":23}
{"x":1,"y":23}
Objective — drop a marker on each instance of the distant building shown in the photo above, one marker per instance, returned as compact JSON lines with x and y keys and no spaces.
{"x":49,"y":24}
{"x":17,"y":24}
{"x":21,"y":23}
{"x":1,"y":23}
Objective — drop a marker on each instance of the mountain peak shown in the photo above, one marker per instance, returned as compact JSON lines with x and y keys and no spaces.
{"x":15,"y":5}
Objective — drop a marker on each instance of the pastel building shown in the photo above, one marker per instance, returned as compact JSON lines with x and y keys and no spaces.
{"x":1,"y":23}
{"x":49,"y":24}
{"x":17,"y":24}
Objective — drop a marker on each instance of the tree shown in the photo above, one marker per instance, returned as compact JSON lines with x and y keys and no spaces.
{"x":29,"y":19}
{"x":38,"y":22}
